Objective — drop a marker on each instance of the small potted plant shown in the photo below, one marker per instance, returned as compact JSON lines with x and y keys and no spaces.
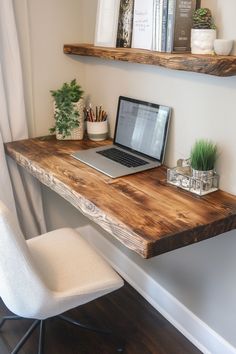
{"x":203,"y":33}
{"x":202,"y":159}
{"x":68,"y":112}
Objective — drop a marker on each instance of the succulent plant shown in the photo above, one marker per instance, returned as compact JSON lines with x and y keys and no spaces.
{"x":202,"y":19}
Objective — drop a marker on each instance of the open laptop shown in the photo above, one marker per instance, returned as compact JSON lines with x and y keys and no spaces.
{"x":139,"y":142}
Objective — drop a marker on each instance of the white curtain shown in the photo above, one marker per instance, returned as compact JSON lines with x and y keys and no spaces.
{"x":18,"y":190}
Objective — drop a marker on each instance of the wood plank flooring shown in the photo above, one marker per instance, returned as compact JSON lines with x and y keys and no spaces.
{"x":145,"y":331}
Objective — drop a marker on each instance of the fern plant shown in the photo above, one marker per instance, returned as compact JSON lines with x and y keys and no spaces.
{"x":203,"y":155}
{"x":66,"y":114}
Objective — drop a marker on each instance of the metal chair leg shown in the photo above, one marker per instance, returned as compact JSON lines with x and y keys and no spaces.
{"x":25,"y":337}
{"x":41,"y":336}
{"x":6,"y":318}
{"x":91,"y":328}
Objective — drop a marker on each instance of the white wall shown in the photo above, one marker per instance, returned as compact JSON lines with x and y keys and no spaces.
{"x":201,"y":276}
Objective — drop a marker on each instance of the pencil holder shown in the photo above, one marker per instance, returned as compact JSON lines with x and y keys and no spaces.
{"x":97,"y":131}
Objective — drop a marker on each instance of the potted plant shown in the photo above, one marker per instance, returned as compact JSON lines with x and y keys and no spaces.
{"x":202,"y":159}
{"x":68,"y":112}
{"x":203,"y":33}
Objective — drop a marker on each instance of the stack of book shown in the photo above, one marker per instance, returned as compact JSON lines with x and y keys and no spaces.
{"x":160,"y":25}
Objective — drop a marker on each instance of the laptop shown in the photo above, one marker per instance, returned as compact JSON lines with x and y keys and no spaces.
{"x":139,"y":141}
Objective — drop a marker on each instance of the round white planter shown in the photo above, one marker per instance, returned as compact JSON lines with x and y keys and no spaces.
{"x":202,"y":41}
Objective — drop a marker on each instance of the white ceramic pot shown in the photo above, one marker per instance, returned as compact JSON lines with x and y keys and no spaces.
{"x":97,"y":131}
{"x":78,"y":132}
{"x":202,"y":41}
{"x":223,"y":46}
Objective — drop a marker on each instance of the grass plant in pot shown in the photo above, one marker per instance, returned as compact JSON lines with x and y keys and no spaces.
{"x":68,"y":112}
{"x":202,"y":158}
{"x":203,"y":33}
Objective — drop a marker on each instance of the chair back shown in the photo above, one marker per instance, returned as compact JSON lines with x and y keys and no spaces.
{"x":21,"y":287}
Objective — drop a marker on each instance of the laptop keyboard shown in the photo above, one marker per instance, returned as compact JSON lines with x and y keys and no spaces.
{"x":122,"y":157}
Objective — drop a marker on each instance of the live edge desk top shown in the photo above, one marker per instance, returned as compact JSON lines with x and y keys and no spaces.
{"x":142,"y":211}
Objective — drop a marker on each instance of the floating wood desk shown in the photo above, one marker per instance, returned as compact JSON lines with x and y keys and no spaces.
{"x":142,"y":211}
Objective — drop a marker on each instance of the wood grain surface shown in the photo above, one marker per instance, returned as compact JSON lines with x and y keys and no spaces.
{"x":206,"y":64}
{"x":142,"y":211}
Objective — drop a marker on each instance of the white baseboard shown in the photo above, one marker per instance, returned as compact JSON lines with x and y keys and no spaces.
{"x":192,"y":327}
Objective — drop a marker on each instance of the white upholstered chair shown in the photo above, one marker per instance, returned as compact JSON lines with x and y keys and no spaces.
{"x":48,"y":275}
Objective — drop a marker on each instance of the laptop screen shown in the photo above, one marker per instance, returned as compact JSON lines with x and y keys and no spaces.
{"x":142,"y":127}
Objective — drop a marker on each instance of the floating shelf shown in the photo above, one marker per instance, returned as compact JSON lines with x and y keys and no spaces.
{"x":205,"y":64}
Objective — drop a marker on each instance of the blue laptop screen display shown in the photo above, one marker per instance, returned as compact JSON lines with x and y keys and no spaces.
{"x":142,"y":126}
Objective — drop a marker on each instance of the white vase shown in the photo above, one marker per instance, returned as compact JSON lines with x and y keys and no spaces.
{"x":78,"y":132}
{"x":202,"y":41}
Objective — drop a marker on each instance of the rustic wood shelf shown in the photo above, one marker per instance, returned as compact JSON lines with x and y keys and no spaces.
{"x":142,"y":211}
{"x":205,"y":64}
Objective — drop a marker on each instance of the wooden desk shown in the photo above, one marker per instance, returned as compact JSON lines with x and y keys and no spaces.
{"x":141,"y":211}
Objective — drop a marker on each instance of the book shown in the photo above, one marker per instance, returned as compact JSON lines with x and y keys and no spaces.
{"x":183,"y":24}
{"x":106,"y":23}
{"x":125,"y":24}
{"x":142,"y":24}
{"x":163,"y":34}
{"x":179,"y":24}
{"x":170,"y":26}
{"x":156,"y":26}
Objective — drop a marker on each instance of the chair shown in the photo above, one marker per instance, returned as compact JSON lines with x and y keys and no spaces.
{"x":48,"y":275}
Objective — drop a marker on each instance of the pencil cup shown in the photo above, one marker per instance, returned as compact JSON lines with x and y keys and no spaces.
{"x":97,"y":131}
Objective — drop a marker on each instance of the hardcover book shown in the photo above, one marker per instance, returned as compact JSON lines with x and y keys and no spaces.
{"x":164,"y":14}
{"x":183,"y":24}
{"x":142,"y":24}
{"x":170,"y":26}
{"x":125,"y":24}
{"x":179,"y":24}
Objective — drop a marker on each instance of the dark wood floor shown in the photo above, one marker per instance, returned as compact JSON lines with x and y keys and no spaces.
{"x":125,"y":311}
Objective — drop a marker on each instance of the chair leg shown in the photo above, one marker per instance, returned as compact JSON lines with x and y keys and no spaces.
{"x":120,"y":345}
{"x":25,"y":337}
{"x":41,"y":336}
{"x":7,"y":318}
{"x":91,"y":328}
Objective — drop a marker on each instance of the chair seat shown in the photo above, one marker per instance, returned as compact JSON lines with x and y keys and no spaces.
{"x":72,"y":271}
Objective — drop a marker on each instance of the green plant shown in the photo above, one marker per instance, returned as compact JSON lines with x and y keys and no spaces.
{"x":66,"y":114}
{"x":202,"y":19}
{"x":203,"y":155}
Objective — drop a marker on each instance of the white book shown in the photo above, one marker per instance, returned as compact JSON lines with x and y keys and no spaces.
{"x":155,"y":27}
{"x":143,"y":24}
{"x":159,"y":25}
{"x":107,"y":23}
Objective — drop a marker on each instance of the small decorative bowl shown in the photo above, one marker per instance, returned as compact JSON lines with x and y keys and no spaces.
{"x":223,"y":46}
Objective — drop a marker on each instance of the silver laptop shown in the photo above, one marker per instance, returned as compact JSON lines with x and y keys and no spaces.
{"x":139,"y":142}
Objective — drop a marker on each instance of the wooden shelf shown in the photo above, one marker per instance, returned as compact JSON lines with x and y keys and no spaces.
{"x":141,"y":211}
{"x":205,"y":64}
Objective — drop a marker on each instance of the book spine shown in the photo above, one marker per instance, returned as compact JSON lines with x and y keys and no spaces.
{"x":170,"y":26}
{"x":154,"y":13}
{"x":183,"y":24}
{"x":198,"y":4}
{"x":125,"y":24}
{"x":160,"y":14}
{"x":164,"y":26}
{"x":142,"y":36}
{"x":157,"y":24}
